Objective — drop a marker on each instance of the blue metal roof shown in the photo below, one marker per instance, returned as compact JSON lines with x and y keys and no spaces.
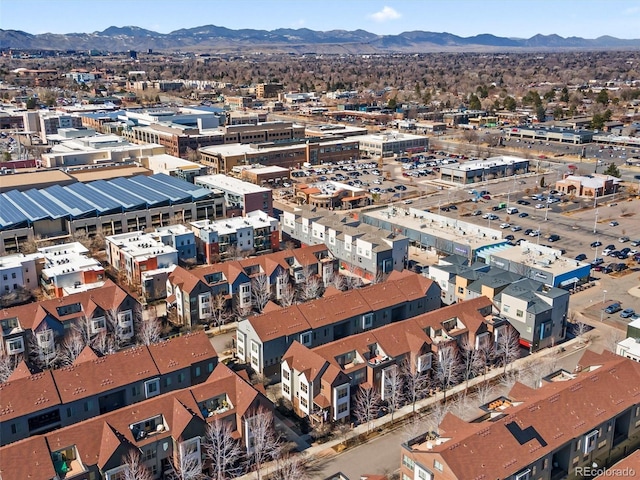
{"x":81,"y":200}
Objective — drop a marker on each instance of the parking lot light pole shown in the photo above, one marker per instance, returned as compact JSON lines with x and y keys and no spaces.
{"x":595,"y":223}
{"x":604,"y":293}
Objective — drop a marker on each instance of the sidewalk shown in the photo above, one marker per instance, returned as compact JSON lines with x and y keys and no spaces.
{"x":326,"y":449}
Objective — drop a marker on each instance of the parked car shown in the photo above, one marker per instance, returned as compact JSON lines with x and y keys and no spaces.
{"x":635,"y":243}
{"x":623,"y":239}
{"x":615,"y":253}
{"x":581,"y":257}
{"x":619,"y":267}
{"x":540,"y":205}
{"x":523,"y":215}
{"x":516,"y":228}
{"x":597,"y":261}
{"x":523,"y":202}
{"x":535,"y":233}
{"x":613,"y":224}
{"x":505,"y":225}
{"x":476,"y":213}
{"x":528,"y":231}
{"x":486,"y":197}
{"x":554,"y":238}
{"x":408,"y":202}
{"x":608,"y":249}
{"x":627,"y":312}
{"x":452,"y":207}
{"x":509,"y":237}
{"x":595,"y":244}
{"x":613,"y":308}
{"x":493,"y":217}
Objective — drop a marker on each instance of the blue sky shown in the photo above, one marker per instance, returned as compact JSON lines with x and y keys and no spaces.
{"x":509,"y":18}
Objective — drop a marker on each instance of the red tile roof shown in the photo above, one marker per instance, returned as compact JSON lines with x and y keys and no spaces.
{"x":181,"y":352}
{"x":26,"y":395}
{"x":27,"y":459}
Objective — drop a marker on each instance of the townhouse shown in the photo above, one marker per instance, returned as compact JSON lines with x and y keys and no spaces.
{"x":47,"y":321}
{"x":262,"y":340}
{"x":537,"y":310}
{"x":67,"y":269}
{"x":93,"y":385}
{"x":322,"y":381}
{"x":572,"y":423}
{"x":191,"y":292}
{"x":160,"y":429}
{"x":17,"y":271}
{"x":363,"y":249}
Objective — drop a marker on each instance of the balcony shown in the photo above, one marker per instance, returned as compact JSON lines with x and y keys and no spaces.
{"x":148,"y":428}
{"x":379,"y":360}
{"x":66,"y":462}
{"x":215,"y":406}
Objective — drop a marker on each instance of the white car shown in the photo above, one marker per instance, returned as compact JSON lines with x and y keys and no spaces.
{"x":407,"y":202}
{"x":505,"y":225}
{"x":535,"y":233}
{"x":516,"y":228}
{"x":539,"y":205}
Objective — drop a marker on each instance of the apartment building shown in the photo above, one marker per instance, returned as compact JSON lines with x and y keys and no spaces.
{"x":262,"y":340}
{"x":160,"y":428}
{"x":322,"y":381}
{"x":572,"y":423}
{"x":240,"y":197}
{"x":137,"y":254}
{"x":68,"y":269}
{"x":110,"y":206}
{"x":47,"y":321}
{"x":630,"y":346}
{"x":191,"y":292}
{"x":220,"y":240}
{"x":93,"y":385}
{"x":538,"y":311}
{"x":362,"y":249}
{"x":18,"y":271}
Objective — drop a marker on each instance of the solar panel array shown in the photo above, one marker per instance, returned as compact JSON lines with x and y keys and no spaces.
{"x":95,"y":198}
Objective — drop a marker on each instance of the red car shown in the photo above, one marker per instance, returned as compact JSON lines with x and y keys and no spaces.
{"x":486,"y":197}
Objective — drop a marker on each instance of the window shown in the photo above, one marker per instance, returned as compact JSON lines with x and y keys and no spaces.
{"x":343,"y":392}
{"x":304,"y":388}
{"x":286,"y":389}
{"x":210,"y":367}
{"x":98,"y":325}
{"x":88,"y":405}
{"x":167,"y":381}
{"x":303,"y":402}
{"x":524,"y":475}
{"x":15,"y":428}
{"x":343,"y":407}
{"x":305,"y":338}
{"x":590,"y":442}
{"x":148,"y":454}
{"x":460,"y":289}
{"x":286,"y":374}
{"x":519,"y":313}
{"x":367,"y":320}
{"x":424,"y":362}
{"x":135,"y":391}
{"x":15,"y":345}
{"x":198,"y":371}
{"x":152,"y":387}
{"x":181,"y":377}
{"x":408,"y":462}
{"x":438,"y":466}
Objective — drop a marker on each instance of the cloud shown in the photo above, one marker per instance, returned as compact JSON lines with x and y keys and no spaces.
{"x":386,"y":14}
{"x":299,"y":23}
{"x":632,"y":10}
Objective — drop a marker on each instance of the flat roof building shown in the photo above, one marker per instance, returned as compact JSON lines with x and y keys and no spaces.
{"x":68,"y":269}
{"x":389,"y":143}
{"x":241,"y":196}
{"x":474,"y":171}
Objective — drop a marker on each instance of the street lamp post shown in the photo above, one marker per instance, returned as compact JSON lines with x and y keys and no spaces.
{"x":595,"y":223}
{"x":604,"y":294}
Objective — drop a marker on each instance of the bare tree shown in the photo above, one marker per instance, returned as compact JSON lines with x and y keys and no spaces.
{"x":366,"y":406}
{"x":42,"y":348}
{"x":134,"y":467}
{"x":260,"y":291}
{"x":118,"y":333}
{"x":448,"y":367}
{"x":611,"y":339}
{"x":219,"y":310}
{"x":460,"y":406}
{"x":310,"y":287}
{"x":337,"y":281}
{"x":222,"y":450}
{"x":472,"y":362}
{"x":484,"y":392}
{"x":508,"y":346}
{"x":8,"y":364}
{"x":415,"y":382}
{"x":287,"y":292}
{"x":581,"y":329}
{"x":186,"y":463}
{"x":104,"y":343}
{"x":413,"y":427}
{"x":393,"y":389}
{"x":486,"y":352}
{"x":265,"y":444}
{"x":290,"y":467}
{"x":71,"y":347}
{"x":436,"y":415}
{"x":149,"y":330}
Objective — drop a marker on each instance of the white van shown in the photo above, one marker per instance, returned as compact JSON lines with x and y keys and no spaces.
{"x":512,"y":210}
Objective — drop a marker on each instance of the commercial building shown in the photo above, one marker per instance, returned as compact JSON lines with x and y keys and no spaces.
{"x":571,"y":423}
{"x":474,"y":171}
{"x":389,"y":143}
{"x":366,"y":251}
{"x":50,"y":123}
{"x":551,"y":134}
{"x":68,"y":269}
{"x":268,"y":90}
{"x":260,"y":175}
{"x":540,"y":263}
{"x":174,"y":166}
{"x":162,"y":429}
{"x":78,"y":391}
{"x":321,"y":382}
{"x":537,"y":311}
{"x":262,"y":340}
{"x":240,"y":197}
{"x":588,"y":186}
{"x":630,"y":346}
{"x":225,"y":239}
{"x":446,"y":235}
{"x":331,"y":195}
{"x":287,"y":154}
{"x":112,"y":207}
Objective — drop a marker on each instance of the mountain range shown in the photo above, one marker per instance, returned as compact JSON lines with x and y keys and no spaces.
{"x":215,"y":39}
